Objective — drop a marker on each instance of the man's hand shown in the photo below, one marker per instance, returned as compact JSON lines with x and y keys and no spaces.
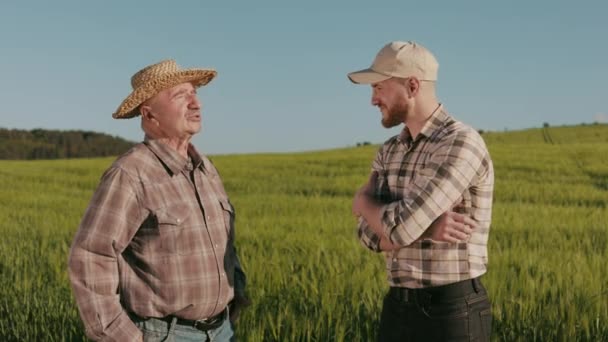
{"x":367,"y":190}
{"x":451,"y":227}
{"x":237,"y":304}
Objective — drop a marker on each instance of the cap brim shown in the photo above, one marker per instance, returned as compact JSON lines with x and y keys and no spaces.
{"x":367,"y":76}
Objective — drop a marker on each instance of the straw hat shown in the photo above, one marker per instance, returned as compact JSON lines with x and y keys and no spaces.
{"x":152,"y":79}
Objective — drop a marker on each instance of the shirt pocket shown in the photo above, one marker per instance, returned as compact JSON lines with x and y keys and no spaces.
{"x":173,"y":217}
{"x":229,"y":216}
{"x":189,"y":233}
{"x":163,"y":232}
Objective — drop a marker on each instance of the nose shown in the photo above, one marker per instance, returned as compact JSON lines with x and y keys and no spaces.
{"x":195,"y":103}
{"x":375,"y":101}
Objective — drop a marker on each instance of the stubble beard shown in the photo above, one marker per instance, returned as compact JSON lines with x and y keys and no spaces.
{"x":393,"y":117}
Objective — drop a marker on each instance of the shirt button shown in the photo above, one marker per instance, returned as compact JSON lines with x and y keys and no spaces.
{"x":178,"y":221}
{"x":394,"y":259}
{"x":208,"y":218}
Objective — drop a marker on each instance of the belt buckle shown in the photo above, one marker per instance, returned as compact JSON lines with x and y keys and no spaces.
{"x":201,"y":325}
{"x":211,"y":322}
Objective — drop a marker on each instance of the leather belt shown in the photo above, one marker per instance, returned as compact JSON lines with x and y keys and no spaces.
{"x":207,"y":324}
{"x":437,"y":293}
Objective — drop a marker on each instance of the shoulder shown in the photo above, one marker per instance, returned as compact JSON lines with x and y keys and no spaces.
{"x":460,"y":141}
{"x":134,"y":163}
{"x":457,"y":132}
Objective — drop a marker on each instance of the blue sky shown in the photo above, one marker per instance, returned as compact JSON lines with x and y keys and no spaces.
{"x":282,"y":66}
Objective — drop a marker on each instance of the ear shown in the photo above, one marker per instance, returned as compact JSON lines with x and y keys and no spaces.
{"x":147,"y":114}
{"x":413,"y":86}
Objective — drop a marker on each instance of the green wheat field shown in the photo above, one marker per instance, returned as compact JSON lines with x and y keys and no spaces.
{"x":309,"y":278}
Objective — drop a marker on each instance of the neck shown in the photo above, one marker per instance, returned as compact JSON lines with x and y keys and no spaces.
{"x":419,"y":116}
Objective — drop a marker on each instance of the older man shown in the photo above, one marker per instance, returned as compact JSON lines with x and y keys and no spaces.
{"x":154,"y":255}
{"x":434,"y":257}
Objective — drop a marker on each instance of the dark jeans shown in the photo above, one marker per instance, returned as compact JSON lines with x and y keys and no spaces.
{"x":455,"y":312}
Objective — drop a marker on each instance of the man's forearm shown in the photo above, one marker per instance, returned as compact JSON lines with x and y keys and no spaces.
{"x":386,"y":245}
{"x":371,"y":211}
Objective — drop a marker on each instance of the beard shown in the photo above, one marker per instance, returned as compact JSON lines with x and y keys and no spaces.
{"x":394,"y":116}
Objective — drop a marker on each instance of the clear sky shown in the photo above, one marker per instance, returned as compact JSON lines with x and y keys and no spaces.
{"x":282,"y":65}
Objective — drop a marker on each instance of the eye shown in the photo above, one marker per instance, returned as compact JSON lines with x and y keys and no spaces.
{"x":180,"y":95}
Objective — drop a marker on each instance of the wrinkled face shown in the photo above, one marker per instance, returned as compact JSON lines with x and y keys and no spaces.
{"x":177,"y":111}
{"x":390,"y":96}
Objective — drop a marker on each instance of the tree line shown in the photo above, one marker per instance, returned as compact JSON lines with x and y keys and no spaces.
{"x":56,"y":144}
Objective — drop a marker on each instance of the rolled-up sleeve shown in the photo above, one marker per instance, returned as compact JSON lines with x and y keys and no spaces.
{"x":367,"y":237}
{"x":436,"y":188}
{"x":112,"y":218}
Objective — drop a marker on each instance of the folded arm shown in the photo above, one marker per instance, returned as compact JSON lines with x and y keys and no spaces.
{"x":435,"y":190}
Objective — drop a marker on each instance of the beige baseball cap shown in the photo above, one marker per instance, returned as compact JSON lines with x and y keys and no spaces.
{"x":399,"y":59}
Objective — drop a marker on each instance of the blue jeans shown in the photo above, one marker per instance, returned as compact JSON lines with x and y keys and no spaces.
{"x":157,"y":330}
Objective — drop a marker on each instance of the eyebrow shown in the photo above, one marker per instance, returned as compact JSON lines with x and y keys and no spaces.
{"x":179,"y":92}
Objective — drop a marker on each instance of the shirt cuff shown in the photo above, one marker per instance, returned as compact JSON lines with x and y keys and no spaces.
{"x":367,"y":237}
{"x":389,"y":219}
{"x":123,"y":329}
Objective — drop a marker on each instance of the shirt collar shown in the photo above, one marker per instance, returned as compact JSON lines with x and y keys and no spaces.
{"x":172,"y":160}
{"x":434,"y":122}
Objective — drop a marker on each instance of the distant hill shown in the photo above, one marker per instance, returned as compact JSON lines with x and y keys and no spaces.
{"x":554,"y":135}
{"x":55,"y":144}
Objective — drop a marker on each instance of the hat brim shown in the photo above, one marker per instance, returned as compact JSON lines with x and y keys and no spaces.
{"x":129,"y":106}
{"x":367,"y":76}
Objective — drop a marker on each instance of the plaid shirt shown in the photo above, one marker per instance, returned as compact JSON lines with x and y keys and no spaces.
{"x":448,"y":163}
{"x":156,"y":240}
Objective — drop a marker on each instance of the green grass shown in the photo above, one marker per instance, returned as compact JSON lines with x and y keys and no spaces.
{"x":309,"y":278}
